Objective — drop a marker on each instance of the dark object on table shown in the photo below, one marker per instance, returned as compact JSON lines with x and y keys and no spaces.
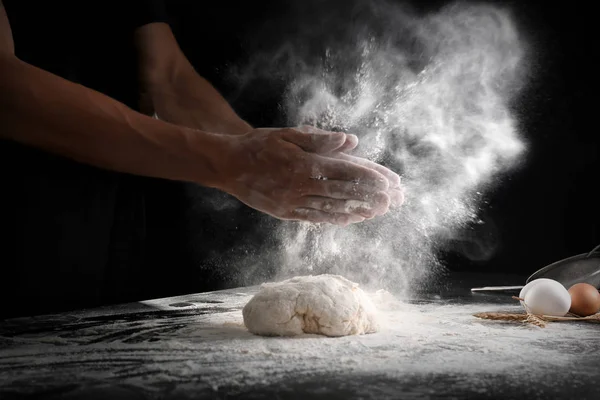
{"x":582,"y":268}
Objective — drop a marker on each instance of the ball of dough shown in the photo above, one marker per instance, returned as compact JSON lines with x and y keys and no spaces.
{"x":326,"y":304}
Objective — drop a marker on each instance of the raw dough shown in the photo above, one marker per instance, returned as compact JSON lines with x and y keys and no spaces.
{"x":326,"y":304}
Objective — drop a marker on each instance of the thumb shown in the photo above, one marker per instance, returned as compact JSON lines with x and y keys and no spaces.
{"x":314,"y":140}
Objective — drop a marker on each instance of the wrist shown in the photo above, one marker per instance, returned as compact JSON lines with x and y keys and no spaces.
{"x":184,"y":98}
{"x":237,"y":126}
{"x":184,"y":109}
{"x":211,"y":156}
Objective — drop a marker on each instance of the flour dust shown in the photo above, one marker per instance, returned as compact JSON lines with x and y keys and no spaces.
{"x":430,"y":95}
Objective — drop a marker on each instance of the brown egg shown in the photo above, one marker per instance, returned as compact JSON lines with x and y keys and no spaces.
{"x":585,"y":299}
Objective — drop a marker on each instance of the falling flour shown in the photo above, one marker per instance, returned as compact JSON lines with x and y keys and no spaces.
{"x":432,"y":96}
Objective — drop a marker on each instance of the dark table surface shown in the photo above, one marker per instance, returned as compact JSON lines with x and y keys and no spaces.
{"x":196,"y":346}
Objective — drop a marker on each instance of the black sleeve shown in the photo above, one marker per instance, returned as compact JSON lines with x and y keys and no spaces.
{"x":144,"y":12}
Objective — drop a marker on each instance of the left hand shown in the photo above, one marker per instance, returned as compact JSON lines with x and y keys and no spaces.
{"x":395,"y":190}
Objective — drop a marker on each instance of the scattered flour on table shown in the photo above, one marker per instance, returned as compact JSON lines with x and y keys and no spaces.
{"x":413,"y":339}
{"x":215,"y":350}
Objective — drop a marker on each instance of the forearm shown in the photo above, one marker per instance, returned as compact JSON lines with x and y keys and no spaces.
{"x":189,"y":100}
{"x":173,"y":90}
{"x":43,"y":110}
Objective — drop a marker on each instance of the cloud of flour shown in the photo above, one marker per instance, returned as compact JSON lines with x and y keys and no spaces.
{"x":430,"y":96}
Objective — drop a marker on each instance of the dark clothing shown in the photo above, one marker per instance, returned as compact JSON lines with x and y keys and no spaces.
{"x":73,"y":235}
{"x":77,"y":39}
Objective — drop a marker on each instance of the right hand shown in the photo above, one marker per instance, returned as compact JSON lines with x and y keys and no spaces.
{"x":395,"y":190}
{"x":286,"y":173}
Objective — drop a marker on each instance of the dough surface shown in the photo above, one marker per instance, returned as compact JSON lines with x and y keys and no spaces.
{"x":326,"y":304}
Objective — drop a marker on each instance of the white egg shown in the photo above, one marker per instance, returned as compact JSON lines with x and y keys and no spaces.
{"x":546,"y":297}
{"x":531,"y":284}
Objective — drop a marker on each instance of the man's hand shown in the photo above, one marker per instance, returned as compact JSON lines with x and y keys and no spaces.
{"x":395,"y":190}
{"x":177,"y":94}
{"x":288,"y":174}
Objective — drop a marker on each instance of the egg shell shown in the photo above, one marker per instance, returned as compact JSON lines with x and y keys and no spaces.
{"x":585,"y":299}
{"x":531,"y":284}
{"x":548,"y":298}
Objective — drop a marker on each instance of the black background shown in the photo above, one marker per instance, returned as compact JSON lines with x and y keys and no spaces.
{"x":542,"y":212}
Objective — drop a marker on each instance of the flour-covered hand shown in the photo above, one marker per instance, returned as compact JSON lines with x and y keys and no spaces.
{"x":286,"y":173}
{"x":350,"y":142}
{"x":395,"y":190}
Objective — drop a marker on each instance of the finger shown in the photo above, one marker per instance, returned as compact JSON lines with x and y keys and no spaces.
{"x":342,"y":170}
{"x":395,"y":190}
{"x":393,"y":178}
{"x":317,"y":216}
{"x":339,"y":190}
{"x":363,"y":208}
{"x":314,"y":140}
{"x":396,"y":197}
{"x":350,"y":143}
{"x":380,"y":202}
